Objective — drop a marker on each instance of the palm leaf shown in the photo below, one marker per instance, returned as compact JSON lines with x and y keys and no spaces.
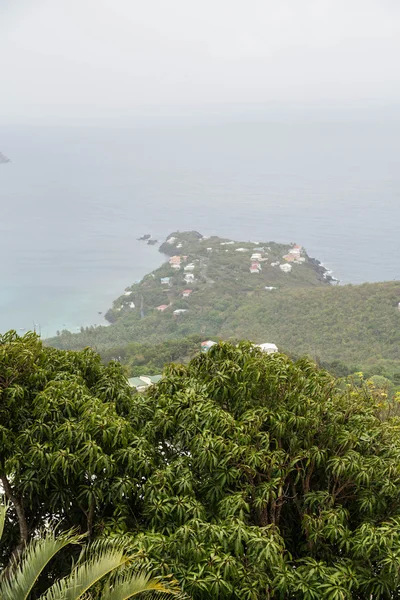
{"x":99,"y":560}
{"x":33,"y":560}
{"x":131,"y":584}
{"x":3,"y":512}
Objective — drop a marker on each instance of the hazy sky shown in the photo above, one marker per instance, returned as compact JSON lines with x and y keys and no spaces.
{"x":105,"y":58}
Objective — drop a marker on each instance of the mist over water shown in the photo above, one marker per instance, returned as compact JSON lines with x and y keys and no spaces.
{"x":75,"y":199}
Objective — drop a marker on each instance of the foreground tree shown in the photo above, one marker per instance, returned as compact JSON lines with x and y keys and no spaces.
{"x":270,"y":481}
{"x":102,"y":571}
{"x":66,"y":450}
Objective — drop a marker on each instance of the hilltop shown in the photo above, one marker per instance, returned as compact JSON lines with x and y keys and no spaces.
{"x":212,"y":287}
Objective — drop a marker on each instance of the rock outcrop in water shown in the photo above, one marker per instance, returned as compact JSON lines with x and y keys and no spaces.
{"x":4,"y":159}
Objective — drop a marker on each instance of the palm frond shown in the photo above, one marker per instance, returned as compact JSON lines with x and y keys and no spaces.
{"x":3,"y":512}
{"x":33,"y":560}
{"x":131,"y":584}
{"x":99,"y":560}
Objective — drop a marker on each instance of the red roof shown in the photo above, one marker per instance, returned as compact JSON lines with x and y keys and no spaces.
{"x":162,"y":307}
{"x":187,"y":291}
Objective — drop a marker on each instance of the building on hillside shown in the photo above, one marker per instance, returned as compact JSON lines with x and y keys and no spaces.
{"x":162,"y":307}
{"x":179,"y":245}
{"x":268,"y":348}
{"x":300,"y":260}
{"x":176,"y":266}
{"x":285,"y":268}
{"x":165,"y":280}
{"x":270,"y":287}
{"x":256,"y":265}
{"x":186,"y":293}
{"x":254,"y":270}
{"x":275,"y":264}
{"x":189,"y":278}
{"x":174,"y":260}
{"x":189,"y":267}
{"x":209,"y":249}
{"x":131,"y":305}
{"x":171,"y":240}
{"x":179,"y":311}
{"x":128,"y":293}
{"x":296,"y":250}
{"x":205,"y":346}
{"x":143,"y":382}
{"x":256,"y":256}
{"x":290,"y":257}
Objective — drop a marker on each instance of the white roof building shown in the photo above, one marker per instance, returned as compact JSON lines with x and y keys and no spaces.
{"x":286,"y":268}
{"x":189,"y":277}
{"x":268,"y":348}
{"x":241,"y":249}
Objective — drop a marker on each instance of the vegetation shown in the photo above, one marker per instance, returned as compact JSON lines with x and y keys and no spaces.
{"x":345,"y":328}
{"x":103,"y":571}
{"x":246,"y":475}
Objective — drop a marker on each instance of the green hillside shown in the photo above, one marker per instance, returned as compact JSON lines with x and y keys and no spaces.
{"x":301,"y":311}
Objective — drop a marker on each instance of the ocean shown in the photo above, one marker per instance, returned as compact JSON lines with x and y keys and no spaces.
{"x":75,"y":198}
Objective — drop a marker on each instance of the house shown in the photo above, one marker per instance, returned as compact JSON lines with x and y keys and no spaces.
{"x":275,"y":264}
{"x":175,"y":260}
{"x":179,"y":311}
{"x":179,"y":245}
{"x":209,"y":249}
{"x":241,"y":249}
{"x":268,"y":348}
{"x":290,"y":257}
{"x":131,"y":305}
{"x":270,"y":288}
{"x":205,"y":346}
{"x":165,"y":280}
{"x":256,"y":256}
{"x":285,"y":268}
{"x":300,"y":260}
{"x":296,"y":250}
{"x":143,"y":382}
{"x":162,"y":307}
{"x":189,"y":277}
{"x":254,"y":270}
{"x":171,"y":240}
{"x":176,"y":266}
{"x":186,"y":293}
{"x":256,"y":265}
{"x":128,"y":293}
{"x":189,"y":267}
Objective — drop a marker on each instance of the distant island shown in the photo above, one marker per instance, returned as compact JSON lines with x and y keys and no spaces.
{"x":4,"y":159}
{"x":212,"y":288}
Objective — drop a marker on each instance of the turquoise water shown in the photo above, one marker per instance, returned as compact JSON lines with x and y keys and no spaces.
{"x":74,"y":200}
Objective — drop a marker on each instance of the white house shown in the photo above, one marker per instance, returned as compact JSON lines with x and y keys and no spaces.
{"x":179,"y":311}
{"x":268,"y":348}
{"x":189,"y":277}
{"x":256,"y":256}
{"x":275,"y":264}
{"x":286,"y":268}
{"x":131,"y":305}
{"x":189,"y":267}
{"x":241,"y":249}
{"x":171,"y":240}
{"x":176,"y":266}
{"x":254,"y":270}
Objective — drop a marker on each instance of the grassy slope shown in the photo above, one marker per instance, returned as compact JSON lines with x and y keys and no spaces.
{"x":359,"y":325}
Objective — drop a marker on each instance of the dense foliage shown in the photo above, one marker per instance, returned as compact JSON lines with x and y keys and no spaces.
{"x":247,"y":475}
{"x":104,"y":571}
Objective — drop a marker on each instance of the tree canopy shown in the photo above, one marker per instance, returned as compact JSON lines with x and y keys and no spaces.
{"x":246,"y":475}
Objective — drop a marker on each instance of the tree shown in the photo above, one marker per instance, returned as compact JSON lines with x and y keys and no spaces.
{"x":101,"y":572}
{"x":269,"y":480}
{"x":66,"y":450}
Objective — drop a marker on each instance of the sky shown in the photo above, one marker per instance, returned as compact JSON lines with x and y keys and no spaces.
{"x":81,"y":59}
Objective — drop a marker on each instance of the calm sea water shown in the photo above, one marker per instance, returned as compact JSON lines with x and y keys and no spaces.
{"x":74,"y":200}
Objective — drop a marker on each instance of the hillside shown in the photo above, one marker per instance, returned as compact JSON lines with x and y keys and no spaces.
{"x":209,"y":282}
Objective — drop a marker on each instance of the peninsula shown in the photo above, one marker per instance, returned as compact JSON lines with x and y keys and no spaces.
{"x":218,"y":288}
